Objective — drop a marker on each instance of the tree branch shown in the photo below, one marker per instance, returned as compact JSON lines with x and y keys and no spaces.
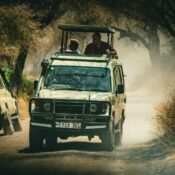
{"x":132,"y":35}
{"x":161,"y":19}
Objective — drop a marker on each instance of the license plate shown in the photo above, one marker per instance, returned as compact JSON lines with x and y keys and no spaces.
{"x":68,"y":125}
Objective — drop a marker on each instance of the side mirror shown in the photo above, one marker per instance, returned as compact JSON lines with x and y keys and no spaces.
{"x":120,"y":89}
{"x":44,"y":65}
{"x":35,"y":84}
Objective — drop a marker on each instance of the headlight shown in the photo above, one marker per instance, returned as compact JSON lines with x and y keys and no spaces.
{"x":38,"y":105}
{"x":47,"y":107}
{"x":93,"y":107}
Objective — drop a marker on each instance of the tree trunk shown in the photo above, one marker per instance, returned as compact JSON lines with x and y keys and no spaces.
{"x":19,"y":67}
{"x":154,"y":46}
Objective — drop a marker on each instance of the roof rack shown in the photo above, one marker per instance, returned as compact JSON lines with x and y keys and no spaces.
{"x":79,"y":57}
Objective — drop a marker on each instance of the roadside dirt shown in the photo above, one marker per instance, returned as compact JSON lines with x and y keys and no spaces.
{"x":149,"y":156}
{"x":23,"y":108}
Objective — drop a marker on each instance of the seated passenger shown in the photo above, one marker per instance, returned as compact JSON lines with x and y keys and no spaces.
{"x":98,"y":47}
{"x":73,"y":46}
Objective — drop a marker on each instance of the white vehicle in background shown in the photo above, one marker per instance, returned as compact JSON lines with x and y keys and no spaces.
{"x":78,"y":95}
{"x":9,"y":115}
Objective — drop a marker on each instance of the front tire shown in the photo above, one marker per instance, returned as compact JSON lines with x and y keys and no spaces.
{"x":51,"y":141}
{"x":119,"y":134}
{"x":108,"y":139}
{"x":35,"y":139}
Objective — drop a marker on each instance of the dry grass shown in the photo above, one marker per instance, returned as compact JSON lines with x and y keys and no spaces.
{"x":165,"y":115}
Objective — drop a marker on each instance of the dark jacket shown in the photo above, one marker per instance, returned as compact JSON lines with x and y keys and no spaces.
{"x":92,"y":49}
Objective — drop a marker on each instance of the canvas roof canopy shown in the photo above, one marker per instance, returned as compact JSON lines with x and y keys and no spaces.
{"x":85,"y":28}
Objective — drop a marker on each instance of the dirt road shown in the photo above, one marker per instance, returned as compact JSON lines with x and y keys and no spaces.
{"x":140,"y":154}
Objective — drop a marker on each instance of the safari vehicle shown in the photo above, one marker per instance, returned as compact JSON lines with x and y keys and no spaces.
{"x":9,"y":116}
{"x":78,"y":95}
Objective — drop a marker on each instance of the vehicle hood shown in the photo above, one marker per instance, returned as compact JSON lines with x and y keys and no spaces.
{"x":76,"y":95}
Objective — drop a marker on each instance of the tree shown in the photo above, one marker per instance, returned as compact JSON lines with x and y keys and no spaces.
{"x":16,"y":26}
{"x":144,"y":28}
{"x":163,"y":14}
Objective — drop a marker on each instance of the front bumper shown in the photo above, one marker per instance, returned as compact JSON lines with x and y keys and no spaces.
{"x":90,"y":124}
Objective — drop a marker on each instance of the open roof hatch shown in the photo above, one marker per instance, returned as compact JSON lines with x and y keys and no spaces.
{"x":67,"y":28}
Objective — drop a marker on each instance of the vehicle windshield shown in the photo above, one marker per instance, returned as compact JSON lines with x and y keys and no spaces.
{"x":78,"y":78}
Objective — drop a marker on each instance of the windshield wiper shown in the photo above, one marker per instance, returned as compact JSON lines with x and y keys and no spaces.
{"x":98,"y":90}
{"x":53,"y":89}
{"x":85,"y":75}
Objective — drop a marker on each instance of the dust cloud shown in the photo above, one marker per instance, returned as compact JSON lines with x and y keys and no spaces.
{"x":141,"y":76}
{"x":146,"y":87}
{"x":135,"y":60}
{"x":139,"y":124}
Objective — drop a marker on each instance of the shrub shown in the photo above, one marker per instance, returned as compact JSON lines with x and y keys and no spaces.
{"x":165,"y":115}
{"x":26,"y":87}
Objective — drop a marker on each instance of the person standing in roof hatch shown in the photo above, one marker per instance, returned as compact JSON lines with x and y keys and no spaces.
{"x":98,"y":47}
{"x":73,"y":46}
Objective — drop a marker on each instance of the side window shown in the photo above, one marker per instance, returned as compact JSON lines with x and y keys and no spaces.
{"x":118,"y":76}
{"x":115,"y":78}
{"x":121,"y":74}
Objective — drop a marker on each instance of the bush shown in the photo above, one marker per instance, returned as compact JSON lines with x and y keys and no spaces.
{"x":165,"y":115}
{"x":26,"y":87}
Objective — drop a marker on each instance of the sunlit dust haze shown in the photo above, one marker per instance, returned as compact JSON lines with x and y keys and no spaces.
{"x":139,"y":125}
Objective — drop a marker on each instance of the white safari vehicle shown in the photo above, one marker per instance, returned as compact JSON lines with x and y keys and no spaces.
{"x":9,"y":116}
{"x":78,"y":95}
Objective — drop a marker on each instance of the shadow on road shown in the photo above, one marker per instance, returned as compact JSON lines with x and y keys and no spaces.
{"x":155,"y":149}
{"x":2,"y":134}
{"x":81,"y":146}
{"x":79,"y":157}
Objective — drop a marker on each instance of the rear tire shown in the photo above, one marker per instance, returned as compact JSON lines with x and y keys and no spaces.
{"x":7,"y":125}
{"x":119,"y":134}
{"x":35,"y":139}
{"x":108,"y":139}
{"x":17,"y":125}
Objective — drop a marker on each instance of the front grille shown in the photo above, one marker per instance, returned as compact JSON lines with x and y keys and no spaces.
{"x":69,"y":108}
{"x":69,"y":118}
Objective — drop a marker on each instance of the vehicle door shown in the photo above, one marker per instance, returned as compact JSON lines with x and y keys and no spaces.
{"x":118,"y":80}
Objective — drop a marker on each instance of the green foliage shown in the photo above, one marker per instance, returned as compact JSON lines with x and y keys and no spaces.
{"x":26,"y":87}
{"x":8,"y":73}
